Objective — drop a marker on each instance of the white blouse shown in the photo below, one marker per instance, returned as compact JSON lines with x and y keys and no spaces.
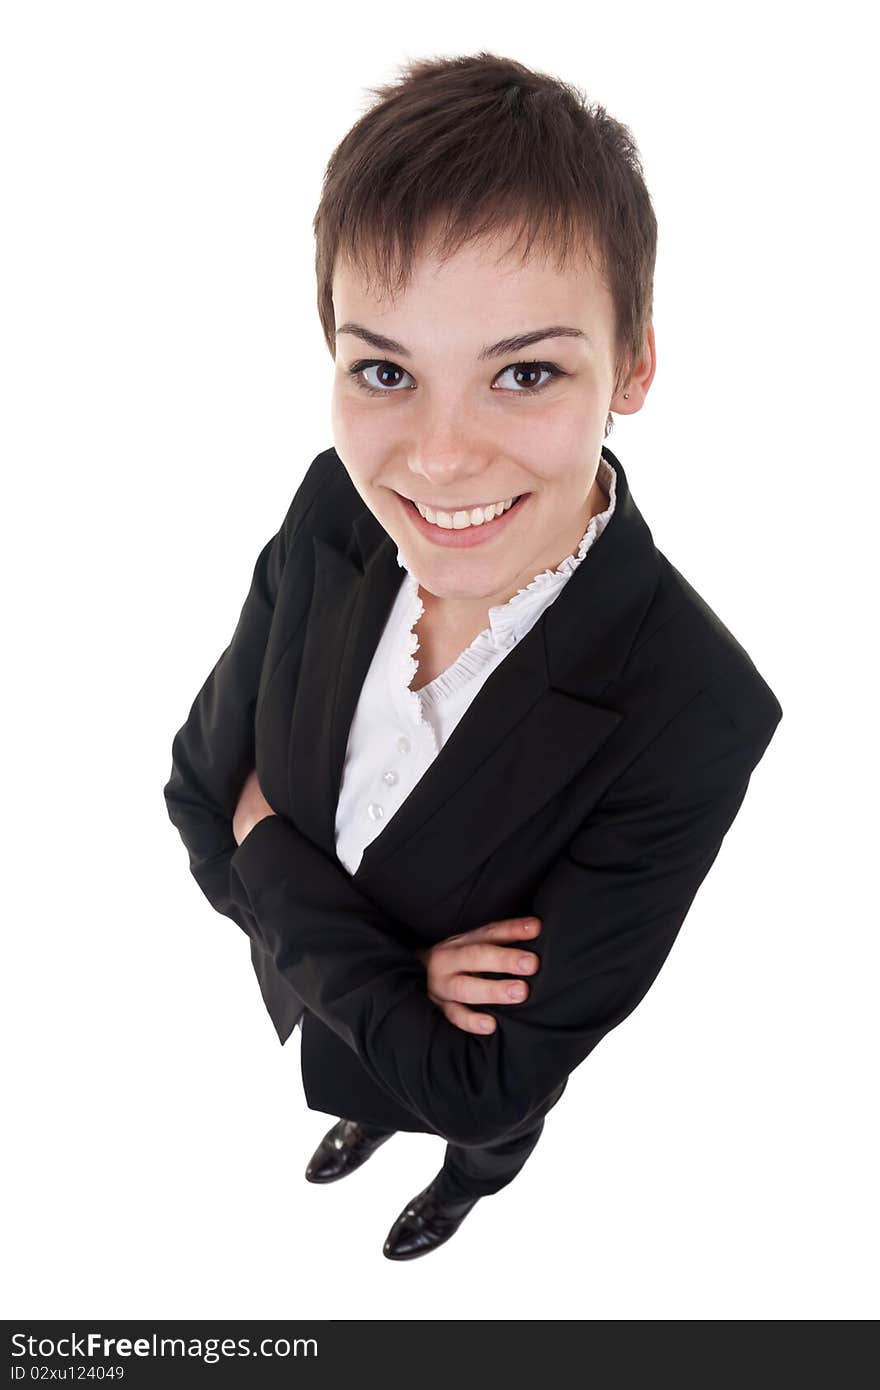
{"x":397,"y":732}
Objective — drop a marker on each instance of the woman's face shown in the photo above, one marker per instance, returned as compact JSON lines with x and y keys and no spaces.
{"x":432,"y":403}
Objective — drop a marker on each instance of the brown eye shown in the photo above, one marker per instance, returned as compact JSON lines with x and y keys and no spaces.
{"x":385,"y":370}
{"x":532,"y":370}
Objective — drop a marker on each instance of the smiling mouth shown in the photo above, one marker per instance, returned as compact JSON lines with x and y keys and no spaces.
{"x":463,"y":518}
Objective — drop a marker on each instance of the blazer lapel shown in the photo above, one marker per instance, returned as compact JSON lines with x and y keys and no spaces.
{"x":348,"y":610}
{"x":533,"y":725}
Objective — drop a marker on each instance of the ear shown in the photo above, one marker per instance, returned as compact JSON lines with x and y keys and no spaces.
{"x":631,"y":396}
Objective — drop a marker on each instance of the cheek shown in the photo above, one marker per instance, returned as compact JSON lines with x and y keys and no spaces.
{"x":363,"y":430}
{"x":355,"y":437}
{"x":339,"y":406}
{"x":569,"y":424}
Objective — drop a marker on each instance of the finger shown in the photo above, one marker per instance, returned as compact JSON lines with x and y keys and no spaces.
{"x":467,"y":989}
{"x":467,"y":1020}
{"x":504,"y":960}
{"x":508,"y":929}
{"x":511,"y":929}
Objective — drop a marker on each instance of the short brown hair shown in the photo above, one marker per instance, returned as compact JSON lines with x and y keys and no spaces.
{"x":489,"y":144}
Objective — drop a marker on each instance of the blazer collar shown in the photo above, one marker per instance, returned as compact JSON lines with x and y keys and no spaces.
{"x":530,"y":729}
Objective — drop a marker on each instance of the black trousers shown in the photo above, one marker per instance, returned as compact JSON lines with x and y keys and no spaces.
{"x":478,"y":1170}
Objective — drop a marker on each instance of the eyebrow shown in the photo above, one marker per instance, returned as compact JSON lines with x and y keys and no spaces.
{"x":503,"y":348}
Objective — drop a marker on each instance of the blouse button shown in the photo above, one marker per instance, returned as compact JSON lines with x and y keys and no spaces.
{"x":375,"y":811}
{"x":389,"y":777}
{"x":403,"y":744}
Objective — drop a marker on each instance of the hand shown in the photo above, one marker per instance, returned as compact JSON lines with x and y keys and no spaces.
{"x":453,"y":988}
{"x":252,"y":807}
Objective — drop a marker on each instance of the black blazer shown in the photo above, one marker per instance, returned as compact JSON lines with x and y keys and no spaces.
{"x":590,"y":783}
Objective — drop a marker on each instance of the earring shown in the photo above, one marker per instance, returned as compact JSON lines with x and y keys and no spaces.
{"x":626,"y":395}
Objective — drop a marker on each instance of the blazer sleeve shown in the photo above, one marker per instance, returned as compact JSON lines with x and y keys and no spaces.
{"x":212,"y":754}
{"x":611,"y":907}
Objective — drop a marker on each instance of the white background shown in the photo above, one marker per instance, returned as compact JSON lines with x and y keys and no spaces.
{"x":165,"y":386}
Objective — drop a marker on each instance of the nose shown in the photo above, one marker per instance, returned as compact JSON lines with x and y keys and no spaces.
{"x":447,"y":456}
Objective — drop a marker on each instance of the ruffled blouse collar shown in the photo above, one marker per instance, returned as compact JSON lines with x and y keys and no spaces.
{"x":508,"y":621}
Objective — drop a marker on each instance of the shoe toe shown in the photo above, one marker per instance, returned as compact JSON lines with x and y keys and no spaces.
{"x":406,"y":1244}
{"x":342,"y":1150}
{"x":409,"y":1236}
{"x":424,"y":1224}
{"x":324,"y":1167}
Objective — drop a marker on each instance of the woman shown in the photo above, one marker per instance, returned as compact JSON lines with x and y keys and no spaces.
{"x":470,"y":715}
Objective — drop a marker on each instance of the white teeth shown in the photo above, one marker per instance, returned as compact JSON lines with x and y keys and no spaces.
{"x":458,"y":521}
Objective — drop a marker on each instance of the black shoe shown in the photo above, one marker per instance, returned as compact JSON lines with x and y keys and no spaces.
{"x":343,"y":1149}
{"x":427,"y":1222}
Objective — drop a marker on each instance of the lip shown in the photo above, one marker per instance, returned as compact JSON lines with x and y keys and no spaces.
{"x":468,"y":535}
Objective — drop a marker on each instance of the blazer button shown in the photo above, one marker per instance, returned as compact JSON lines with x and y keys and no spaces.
{"x":375,"y":811}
